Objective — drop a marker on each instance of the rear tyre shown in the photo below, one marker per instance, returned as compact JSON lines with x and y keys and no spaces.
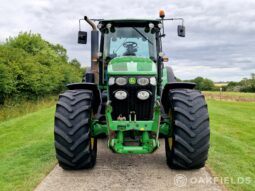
{"x":75,"y":148}
{"x":188,"y":147}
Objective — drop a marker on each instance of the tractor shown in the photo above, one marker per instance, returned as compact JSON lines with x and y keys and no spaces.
{"x":129,"y":97}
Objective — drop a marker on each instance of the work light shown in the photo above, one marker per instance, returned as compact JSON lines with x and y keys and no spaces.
{"x":111,"y":81}
{"x":153,"y":81}
{"x":121,"y":81}
{"x":143,"y":81}
{"x":143,"y":95}
{"x":120,"y":95}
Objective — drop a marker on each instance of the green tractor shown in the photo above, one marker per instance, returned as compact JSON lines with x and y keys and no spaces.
{"x":129,"y":96}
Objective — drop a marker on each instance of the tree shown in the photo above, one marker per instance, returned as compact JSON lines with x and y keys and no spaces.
{"x":203,"y":84}
{"x":75,"y":63}
{"x":31,"y":67}
{"x":245,"y":85}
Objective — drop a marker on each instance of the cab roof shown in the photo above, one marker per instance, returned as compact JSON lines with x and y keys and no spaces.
{"x":129,"y":22}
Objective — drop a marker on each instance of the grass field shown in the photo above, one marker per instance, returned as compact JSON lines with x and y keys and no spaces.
{"x":13,"y":109}
{"x":27,"y":152}
{"x":232,"y":152}
{"x":230,"y":96}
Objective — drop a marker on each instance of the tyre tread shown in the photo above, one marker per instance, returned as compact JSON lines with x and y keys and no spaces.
{"x":72,"y":130}
{"x":191,"y":134}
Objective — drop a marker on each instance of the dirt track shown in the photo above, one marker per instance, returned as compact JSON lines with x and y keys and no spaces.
{"x":128,"y":172}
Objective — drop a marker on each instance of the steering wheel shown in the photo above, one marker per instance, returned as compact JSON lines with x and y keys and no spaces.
{"x":130,"y":44}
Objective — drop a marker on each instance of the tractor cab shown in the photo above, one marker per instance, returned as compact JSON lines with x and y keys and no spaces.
{"x":128,"y":46}
{"x":129,"y":37}
{"x":119,"y":38}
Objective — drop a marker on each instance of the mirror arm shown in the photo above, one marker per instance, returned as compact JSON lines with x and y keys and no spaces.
{"x":163,"y":28}
{"x":169,"y":19}
{"x":80,"y":24}
{"x":175,"y":19}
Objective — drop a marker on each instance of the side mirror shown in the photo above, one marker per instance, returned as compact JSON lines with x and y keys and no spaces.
{"x":181,"y":30}
{"x":82,"y":37}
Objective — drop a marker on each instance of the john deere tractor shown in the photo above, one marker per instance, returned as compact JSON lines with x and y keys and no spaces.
{"x":130,"y":97}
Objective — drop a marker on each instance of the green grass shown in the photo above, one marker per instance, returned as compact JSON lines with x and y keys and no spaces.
{"x":27,"y":153}
{"x":13,"y":109}
{"x":26,"y":150}
{"x":232,"y":152}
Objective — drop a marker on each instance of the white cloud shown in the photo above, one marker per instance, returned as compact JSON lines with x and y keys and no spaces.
{"x":220,"y":34}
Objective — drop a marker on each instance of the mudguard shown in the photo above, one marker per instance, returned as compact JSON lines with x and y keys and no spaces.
{"x":88,"y":86}
{"x":174,"y":85}
{"x":170,"y":74}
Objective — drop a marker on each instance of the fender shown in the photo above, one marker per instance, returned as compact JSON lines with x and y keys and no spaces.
{"x":174,"y":85}
{"x":88,"y":86}
{"x":170,"y":74}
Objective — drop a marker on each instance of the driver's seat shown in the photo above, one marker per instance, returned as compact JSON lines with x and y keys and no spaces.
{"x":129,"y":54}
{"x":131,"y":49}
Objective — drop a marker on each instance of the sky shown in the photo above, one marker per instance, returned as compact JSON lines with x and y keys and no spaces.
{"x":220,"y":35}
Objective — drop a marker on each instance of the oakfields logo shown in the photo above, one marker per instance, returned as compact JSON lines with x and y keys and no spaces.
{"x":180,"y":180}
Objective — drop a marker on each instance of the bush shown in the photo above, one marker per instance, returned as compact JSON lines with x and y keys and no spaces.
{"x":245,"y":85}
{"x":31,"y":67}
{"x":203,"y":84}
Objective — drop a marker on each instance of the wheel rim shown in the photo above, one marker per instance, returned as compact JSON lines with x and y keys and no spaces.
{"x":92,"y":140}
{"x":170,"y":139}
{"x":170,"y":143}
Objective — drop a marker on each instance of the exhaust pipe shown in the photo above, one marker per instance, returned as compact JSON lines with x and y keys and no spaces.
{"x":91,"y":23}
{"x":94,"y":48}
